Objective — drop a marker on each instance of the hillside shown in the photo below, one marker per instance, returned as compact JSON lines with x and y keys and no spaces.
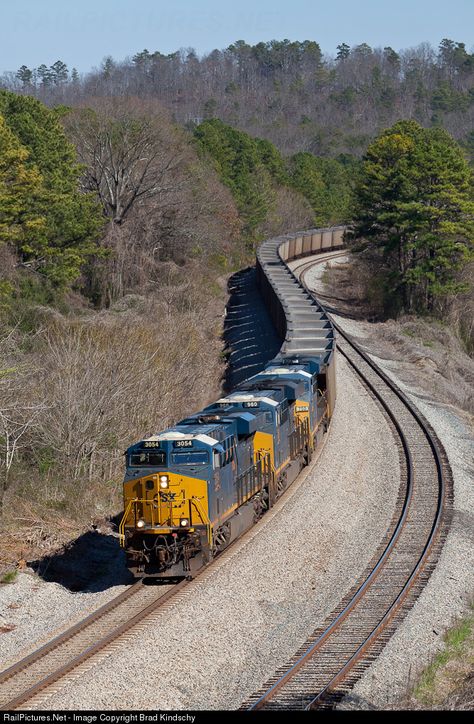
{"x":288,"y":92}
{"x":118,"y":230}
{"x":129,"y":194}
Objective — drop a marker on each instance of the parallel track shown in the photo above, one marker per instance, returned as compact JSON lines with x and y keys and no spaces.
{"x":333,"y":658}
{"x":363,"y":622}
{"x":53,"y":661}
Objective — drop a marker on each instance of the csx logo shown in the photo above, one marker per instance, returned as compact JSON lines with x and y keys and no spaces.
{"x":168,"y":497}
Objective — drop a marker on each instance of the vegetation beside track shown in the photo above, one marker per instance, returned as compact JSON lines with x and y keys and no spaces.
{"x":111,"y":310}
{"x":117,"y":224}
{"x":447,"y":682}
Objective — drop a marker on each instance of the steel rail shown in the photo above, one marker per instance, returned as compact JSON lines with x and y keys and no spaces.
{"x":87,"y":651}
{"x":394,"y":605}
{"x":69,"y":633}
{"x":294,"y":668}
{"x":425,"y":552}
{"x":118,"y":631}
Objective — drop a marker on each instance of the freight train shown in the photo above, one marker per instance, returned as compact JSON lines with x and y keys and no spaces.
{"x":192,"y":489}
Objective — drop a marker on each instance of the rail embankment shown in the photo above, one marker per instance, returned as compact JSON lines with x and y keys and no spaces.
{"x":435,"y":374}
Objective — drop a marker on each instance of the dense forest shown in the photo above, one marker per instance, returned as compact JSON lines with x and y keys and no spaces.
{"x":287,"y":92}
{"x":130,"y":194}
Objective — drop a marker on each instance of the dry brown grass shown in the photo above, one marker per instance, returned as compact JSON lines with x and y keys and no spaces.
{"x":97,"y":383}
{"x":431,"y":351}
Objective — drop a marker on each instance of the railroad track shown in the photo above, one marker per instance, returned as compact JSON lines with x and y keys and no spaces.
{"x":54,"y":661}
{"x":303,"y":265}
{"x":333,"y":658}
{"x":335,"y":655}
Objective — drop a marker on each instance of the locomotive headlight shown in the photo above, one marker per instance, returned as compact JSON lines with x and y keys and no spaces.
{"x":140,"y":523}
{"x":164,"y":481}
{"x":184,"y":522}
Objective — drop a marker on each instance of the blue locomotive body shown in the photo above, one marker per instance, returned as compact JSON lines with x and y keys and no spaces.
{"x":192,"y":489}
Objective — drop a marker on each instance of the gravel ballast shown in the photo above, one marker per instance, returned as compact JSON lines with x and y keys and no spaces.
{"x":37,"y":610}
{"x":449,"y":591}
{"x":223,"y":640}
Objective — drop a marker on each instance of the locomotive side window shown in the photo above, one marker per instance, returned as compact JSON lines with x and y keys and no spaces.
{"x":283,"y":409}
{"x":190,"y":457}
{"x":148,"y":458}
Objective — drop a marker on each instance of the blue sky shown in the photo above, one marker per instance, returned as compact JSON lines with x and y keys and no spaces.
{"x":83,"y":32}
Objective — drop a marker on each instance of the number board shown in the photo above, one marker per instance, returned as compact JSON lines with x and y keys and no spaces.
{"x":183,"y":443}
{"x":151,"y":443}
{"x":250,"y":404}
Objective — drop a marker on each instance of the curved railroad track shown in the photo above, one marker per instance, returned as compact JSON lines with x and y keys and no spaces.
{"x":336,"y":654}
{"x":364,"y":620}
{"x":52,"y":662}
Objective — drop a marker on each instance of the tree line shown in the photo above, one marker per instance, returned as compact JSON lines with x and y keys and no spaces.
{"x":287,"y":92}
{"x":253,"y":169}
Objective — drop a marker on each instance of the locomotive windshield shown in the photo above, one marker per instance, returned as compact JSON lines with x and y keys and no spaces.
{"x":148,"y":458}
{"x":190,"y":457}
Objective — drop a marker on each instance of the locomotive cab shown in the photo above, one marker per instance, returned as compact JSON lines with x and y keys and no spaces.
{"x":310,"y":406}
{"x":166,"y":512}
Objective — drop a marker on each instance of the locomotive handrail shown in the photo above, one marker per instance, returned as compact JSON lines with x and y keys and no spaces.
{"x":204,"y":517}
{"x":122,"y":523}
{"x":149,"y":501}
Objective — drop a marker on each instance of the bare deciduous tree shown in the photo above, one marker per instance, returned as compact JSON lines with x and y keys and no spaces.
{"x":129,"y":153}
{"x":19,"y":412}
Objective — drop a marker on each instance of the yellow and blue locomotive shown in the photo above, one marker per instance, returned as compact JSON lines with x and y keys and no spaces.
{"x":194,"y":488}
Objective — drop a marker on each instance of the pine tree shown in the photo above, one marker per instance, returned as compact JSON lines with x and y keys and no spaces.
{"x":25,"y":75}
{"x":108,"y":66}
{"x":343,"y":51}
{"x":20,"y":187}
{"x":71,"y":219}
{"x":325,"y":183}
{"x":142,"y":60}
{"x":415,"y":210}
{"x":242,"y":162}
{"x":59,"y":72}
{"x":44,"y":74}
{"x":307,"y":178}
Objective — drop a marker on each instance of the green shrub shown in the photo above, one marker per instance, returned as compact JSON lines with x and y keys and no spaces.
{"x":9,"y":577}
